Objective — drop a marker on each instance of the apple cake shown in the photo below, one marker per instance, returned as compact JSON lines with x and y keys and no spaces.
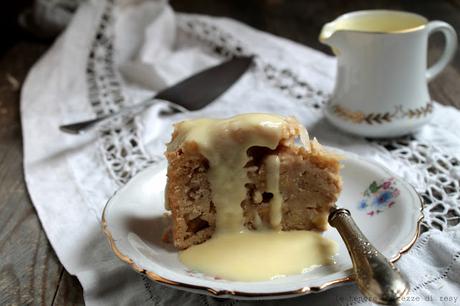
{"x":248,"y":172}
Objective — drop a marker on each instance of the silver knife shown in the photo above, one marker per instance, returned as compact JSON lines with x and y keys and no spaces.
{"x":193,"y":93}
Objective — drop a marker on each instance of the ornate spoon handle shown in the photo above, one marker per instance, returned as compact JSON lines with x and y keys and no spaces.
{"x":377,"y":278}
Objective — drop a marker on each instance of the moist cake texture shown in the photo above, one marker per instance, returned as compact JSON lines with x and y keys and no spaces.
{"x":248,"y":172}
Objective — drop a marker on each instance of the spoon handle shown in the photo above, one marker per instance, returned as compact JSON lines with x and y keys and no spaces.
{"x":377,"y":278}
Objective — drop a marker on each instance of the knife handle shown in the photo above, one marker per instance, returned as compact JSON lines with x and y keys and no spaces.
{"x":83,"y":126}
{"x":377,"y":278}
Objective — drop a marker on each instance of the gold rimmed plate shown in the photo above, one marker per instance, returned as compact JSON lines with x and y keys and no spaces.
{"x":387,"y":210}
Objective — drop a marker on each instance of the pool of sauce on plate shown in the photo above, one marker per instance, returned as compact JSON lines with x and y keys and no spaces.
{"x":234,"y":252}
{"x":259,"y":255}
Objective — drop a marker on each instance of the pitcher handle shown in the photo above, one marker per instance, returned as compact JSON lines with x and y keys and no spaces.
{"x":449,"y":49}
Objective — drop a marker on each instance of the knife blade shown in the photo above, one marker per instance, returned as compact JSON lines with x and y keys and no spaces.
{"x":192,"y":93}
{"x":199,"y":90}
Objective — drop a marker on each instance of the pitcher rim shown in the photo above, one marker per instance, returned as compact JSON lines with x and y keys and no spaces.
{"x":402,"y":31}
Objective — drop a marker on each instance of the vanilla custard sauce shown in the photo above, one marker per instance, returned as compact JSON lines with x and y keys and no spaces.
{"x":225,"y":143}
{"x":259,"y":255}
{"x":382,"y":22}
{"x":374,"y":21}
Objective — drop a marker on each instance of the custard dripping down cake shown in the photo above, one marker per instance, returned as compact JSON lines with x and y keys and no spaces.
{"x":248,"y":172}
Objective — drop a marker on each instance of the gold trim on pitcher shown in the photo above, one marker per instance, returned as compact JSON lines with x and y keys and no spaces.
{"x":381,"y":118}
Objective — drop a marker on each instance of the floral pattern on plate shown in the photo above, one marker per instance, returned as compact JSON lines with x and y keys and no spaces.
{"x":379,"y":196}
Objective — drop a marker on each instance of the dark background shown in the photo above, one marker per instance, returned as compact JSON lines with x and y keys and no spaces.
{"x":30,"y":272}
{"x":299,"y":20}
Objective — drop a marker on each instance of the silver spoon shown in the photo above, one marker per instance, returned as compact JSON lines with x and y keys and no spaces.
{"x":376,"y":277}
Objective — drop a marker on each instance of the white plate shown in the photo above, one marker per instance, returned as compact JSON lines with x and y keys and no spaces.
{"x":386,"y":209}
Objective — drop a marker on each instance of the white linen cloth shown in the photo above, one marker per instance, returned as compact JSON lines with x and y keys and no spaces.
{"x":114,"y":54}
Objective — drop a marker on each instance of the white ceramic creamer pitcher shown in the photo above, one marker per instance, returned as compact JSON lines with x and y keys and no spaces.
{"x":381,"y":86}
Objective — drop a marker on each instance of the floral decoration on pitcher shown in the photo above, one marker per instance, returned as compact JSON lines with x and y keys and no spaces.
{"x":379,"y":118}
{"x":378,"y":197}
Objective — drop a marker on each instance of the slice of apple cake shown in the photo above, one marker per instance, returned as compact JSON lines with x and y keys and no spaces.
{"x":248,"y":172}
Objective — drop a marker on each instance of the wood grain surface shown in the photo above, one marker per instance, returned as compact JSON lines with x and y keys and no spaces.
{"x":30,"y":273}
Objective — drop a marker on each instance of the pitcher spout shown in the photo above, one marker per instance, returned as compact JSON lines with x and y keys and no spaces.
{"x":326,"y":32}
{"x":330,"y":35}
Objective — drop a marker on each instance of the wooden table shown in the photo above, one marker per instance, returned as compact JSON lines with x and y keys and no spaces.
{"x":30,"y":272}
